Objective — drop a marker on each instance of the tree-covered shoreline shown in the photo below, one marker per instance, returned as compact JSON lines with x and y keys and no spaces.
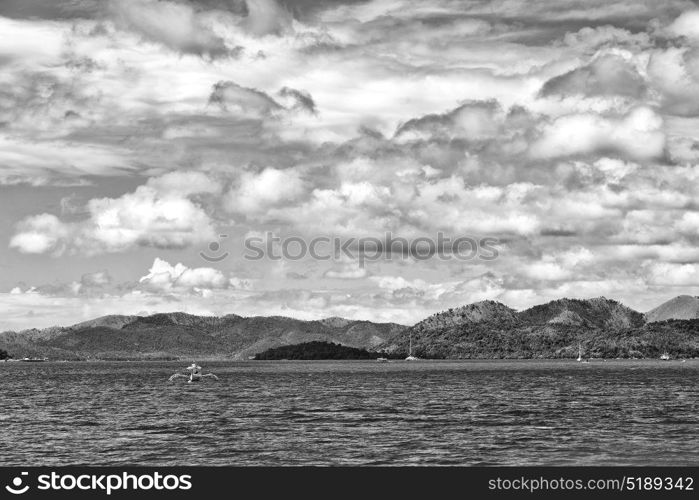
{"x":317,"y":350}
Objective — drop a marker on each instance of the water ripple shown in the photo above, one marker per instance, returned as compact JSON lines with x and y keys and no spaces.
{"x":353,"y":413}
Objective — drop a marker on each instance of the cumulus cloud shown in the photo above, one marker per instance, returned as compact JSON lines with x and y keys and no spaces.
{"x":639,"y":134}
{"x":166,"y":278}
{"x":158,"y":214}
{"x":675,"y":74}
{"x":259,"y":192}
{"x":567,"y":132}
{"x":686,"y":25}
{"x":43,"y":233}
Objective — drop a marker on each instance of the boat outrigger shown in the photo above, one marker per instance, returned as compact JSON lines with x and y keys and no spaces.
{"x":195,"y":374}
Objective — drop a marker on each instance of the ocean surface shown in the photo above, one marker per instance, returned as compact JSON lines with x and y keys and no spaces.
{"x":352,"y":413}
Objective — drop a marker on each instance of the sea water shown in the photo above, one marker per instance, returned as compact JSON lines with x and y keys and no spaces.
{"x":614,"y":412}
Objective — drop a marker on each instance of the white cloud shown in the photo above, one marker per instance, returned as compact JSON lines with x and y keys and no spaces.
{"x":674,"y":72}
{"x":639,"y":134}
{"x":687,"y":25}
{"x":43,"y":233}
{"x":258,"y":192}
{"x":354,"y":119}
{"x":158,"y":214}
{"x":666,"y":273}
{"x":559,"y":266}
{"x":166,"y":278}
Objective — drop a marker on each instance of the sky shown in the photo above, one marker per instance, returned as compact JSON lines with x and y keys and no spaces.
{"x":143,"y":142}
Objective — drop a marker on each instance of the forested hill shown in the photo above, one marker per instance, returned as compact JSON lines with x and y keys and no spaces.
{"x":600,"y":328}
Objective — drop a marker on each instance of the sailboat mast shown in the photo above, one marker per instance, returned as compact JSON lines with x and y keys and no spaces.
{"x":410,"y":352}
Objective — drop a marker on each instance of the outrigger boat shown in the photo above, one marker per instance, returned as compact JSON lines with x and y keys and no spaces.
{"x":195,"y":374}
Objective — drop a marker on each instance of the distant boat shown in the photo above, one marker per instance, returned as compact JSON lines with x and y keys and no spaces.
{"x":580,"y":352}
{"x":410,"y":352}
{"x":34,"y":360}
{"x":665,"y":356}
{"x":382,"y":360}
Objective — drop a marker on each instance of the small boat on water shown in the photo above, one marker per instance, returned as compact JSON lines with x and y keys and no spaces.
{"x":34,"y":360}
{"x":382,"y":360}
{"x":410,"y":351}
{"x":665,"y":356}
{"x":581,"y":358}
{"x":195,"y":374}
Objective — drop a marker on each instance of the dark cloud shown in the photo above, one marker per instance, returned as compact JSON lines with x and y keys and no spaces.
{"x":605,"y":76}
{"x":301,"y":99}
{"x":230,"y":96}
{"x":472,"y":120}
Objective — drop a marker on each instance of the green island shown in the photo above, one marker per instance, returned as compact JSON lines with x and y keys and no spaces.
{"x":317,"y":350}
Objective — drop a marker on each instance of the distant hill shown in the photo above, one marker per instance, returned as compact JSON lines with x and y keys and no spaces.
{"x":591,"y":313}
{"x":486,"y":310}
{"x":164,"y":336}
{"x":681,"y":307}
{"x":603,"y":327}
{"x":111,"y":321}
{"x":487,"y":329}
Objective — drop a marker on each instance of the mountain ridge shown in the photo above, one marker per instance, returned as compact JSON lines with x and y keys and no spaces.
{"x":604,"y":327}
{"x":601,"y":326}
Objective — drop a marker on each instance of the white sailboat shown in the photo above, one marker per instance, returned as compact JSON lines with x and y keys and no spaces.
{"x":410,"y":352}
{"x":580,"y":352}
